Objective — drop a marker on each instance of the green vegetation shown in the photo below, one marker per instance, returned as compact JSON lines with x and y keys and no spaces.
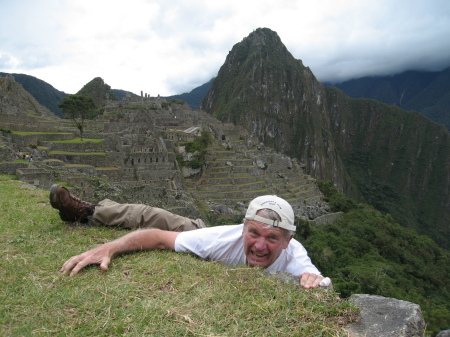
{"x":199,"y":147}
{"x":368,"y":252}
{"x":20,"y":160}
{"x":78,"y":141}
{"x":177,"y":101}
{"x":401,"y":172}
{"x":78,"y":109}
{"x":159,"y":293}
{"x":78,"y":153}
{"x":29,"y":133}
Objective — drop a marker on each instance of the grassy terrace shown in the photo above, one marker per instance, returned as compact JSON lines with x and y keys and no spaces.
{"x":158,"y":293}
{"x":28,"y":133}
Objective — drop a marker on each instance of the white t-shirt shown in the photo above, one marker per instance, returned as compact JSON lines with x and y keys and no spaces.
{"x":225,"y":244}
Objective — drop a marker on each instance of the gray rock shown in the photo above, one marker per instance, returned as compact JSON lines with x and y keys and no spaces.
{"x":444,"y":333}
{"x":260,"y":164}
{"x":379,"y":316}
{"x":387,"y":317}
{"x":188,"y":172}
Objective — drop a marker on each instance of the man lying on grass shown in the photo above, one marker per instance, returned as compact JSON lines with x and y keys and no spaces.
{"x":265,"y":239}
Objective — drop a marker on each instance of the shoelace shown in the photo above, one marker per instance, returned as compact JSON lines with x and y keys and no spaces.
{"x":84,"y":207}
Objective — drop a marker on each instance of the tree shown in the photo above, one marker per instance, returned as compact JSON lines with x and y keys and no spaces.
{"x":78,"y":108}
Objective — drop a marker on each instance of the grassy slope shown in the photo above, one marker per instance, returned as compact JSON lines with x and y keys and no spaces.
{"x":159,"y":293}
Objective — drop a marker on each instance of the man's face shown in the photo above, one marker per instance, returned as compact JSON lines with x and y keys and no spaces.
{"x":263,"y":244}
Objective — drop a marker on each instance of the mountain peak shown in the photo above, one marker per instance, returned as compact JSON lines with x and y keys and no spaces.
{"x":258,"y":71}
{"x":263,"y":35}
{"x":98,"y":90}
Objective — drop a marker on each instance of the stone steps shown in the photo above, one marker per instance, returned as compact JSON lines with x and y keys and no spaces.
{"x":222,"y":162}
{"x":240,"y":175}
{"x":221,"y":170}
{"x":249,"y":185}
{"x":233,"y":179}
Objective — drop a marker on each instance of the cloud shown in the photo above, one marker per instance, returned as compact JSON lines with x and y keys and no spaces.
{"x":381,"y":38}
{"x":8,"y":61}
{"x":168,"y":47}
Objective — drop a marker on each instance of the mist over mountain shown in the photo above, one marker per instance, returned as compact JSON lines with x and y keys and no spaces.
{"x":426,"y":92}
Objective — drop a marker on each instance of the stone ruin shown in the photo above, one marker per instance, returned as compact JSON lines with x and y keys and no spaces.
{"x":135,"y":152}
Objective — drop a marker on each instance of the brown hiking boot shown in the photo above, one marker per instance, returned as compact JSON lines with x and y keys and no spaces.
{"x":70,"y":207}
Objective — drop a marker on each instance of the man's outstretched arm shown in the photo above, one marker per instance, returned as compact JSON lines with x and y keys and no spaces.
{"x":139,"y":240}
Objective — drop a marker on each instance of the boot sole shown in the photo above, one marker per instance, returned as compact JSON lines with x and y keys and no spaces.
{"x":53,"y":199}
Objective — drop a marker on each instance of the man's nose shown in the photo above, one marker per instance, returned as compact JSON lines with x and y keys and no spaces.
{"x":260,"y":243}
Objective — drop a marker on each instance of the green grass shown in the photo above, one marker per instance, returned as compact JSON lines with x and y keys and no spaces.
{"x":78,"y":153}
{"x":158,"y":293}
{"x":27,"y":133}
{"x":107,"y":168}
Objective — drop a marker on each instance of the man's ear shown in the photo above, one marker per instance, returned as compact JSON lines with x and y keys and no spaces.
{"x":287,"y":241}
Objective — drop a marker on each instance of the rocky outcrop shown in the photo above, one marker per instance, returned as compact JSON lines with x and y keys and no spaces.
{"x":387,"y":317}
{"x":379,"y":316}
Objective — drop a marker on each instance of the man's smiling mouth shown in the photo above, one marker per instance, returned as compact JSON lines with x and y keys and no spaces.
{"x":259,"y":255}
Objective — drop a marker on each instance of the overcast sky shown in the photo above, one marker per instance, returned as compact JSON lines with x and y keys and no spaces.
{"x":172,"y":46}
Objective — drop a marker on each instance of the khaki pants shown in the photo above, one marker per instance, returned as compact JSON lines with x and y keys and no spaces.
{"x":134,"y":216}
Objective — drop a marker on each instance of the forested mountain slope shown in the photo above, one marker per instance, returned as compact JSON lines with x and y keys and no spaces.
{"x":426,"y":92}
{"x":397,"y":160}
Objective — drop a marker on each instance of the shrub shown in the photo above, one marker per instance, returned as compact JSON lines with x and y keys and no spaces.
{"x":337,"y":200}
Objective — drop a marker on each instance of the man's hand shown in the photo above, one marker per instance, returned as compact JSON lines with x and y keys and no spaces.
{"x":309,"y":280}
{"x":100,"y":255}
{"x":138,"y":240}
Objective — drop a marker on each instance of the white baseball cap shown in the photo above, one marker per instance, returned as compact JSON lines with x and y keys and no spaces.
{"x":277,"y":204}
